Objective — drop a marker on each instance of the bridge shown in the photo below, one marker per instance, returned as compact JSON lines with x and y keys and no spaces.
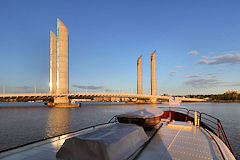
{"x":49,"y":96}
{"x":59,"y":79}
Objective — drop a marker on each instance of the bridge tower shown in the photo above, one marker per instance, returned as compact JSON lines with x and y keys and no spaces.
{"x":62,"y":58}
{"x":153,"y":77}
{"x":59,"y":66}
{"x":139,"y":75}
{"x":139,"y":79}
{"x":53,"y":63}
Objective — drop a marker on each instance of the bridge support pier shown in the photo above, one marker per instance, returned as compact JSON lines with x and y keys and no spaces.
{"x":62,"y":102}
{"x":140,"y":101}
{"x":154,"y":100}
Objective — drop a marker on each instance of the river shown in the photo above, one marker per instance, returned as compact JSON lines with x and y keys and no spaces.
{"x":21,"y":123}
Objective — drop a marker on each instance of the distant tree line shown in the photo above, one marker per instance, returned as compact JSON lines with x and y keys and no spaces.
{"x":226,"y":97}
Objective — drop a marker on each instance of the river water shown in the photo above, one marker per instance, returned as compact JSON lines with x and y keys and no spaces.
{"x":21,"y":123}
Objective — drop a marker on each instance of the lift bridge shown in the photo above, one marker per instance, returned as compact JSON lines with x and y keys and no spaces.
{"x":59,"y":79}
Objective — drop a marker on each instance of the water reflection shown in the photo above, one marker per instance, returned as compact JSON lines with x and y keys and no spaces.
{"x":58,"y":121}
{"x":140,"y":106}
{"x":154,"y":105}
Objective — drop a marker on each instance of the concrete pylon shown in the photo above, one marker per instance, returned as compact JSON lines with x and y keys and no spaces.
{"x":153,"y":77}
{"x":53,"y":63}
{"x":62,"y":58}
{"x":139,"y":75}
{"x":59,"y":67}
{"x":62,"y":63}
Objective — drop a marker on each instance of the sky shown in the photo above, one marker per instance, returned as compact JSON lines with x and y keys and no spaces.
{"x":197,"y":44}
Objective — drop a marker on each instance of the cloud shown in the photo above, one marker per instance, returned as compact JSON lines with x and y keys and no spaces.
{"x":227,"y":58}
{"x":203,"y":82}
{"x":193,"y":52}
{"x":203,"y":61}
{"x":110,"y":90}
{"x":177,"y":67}
{"x":213,"y":74}
{"x":24,"y":87}
{"x":172,"y":73}
{"x":91,"y":87}
{"x":204,"y":57}
{"x":193,"y":76}
{"x":208,"y":75}
{"x":235,"y":84}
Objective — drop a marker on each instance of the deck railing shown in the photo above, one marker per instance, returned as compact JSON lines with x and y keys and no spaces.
{"x":208,"y":121}
{"x":217,"y":128}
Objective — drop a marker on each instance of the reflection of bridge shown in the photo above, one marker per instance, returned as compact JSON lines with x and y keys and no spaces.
{"x":48,"y":96}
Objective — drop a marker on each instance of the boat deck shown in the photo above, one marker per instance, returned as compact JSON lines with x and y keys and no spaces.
{"x":181,"y":140}
{"x":174,"y":140}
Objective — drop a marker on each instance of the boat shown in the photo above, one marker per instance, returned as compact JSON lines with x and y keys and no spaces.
{"x":147,"y":118}
{"x":181,"y":134}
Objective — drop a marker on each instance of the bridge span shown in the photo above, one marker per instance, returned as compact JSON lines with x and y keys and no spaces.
{"x":59,"y":79}
{"x":84,"y":95}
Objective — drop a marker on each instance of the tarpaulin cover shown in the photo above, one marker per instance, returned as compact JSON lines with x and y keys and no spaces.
{"x":115,"y":142}
{"x":143,"y":113}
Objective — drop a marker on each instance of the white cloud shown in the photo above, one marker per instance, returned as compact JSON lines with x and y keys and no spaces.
{"x":203,"y":61}
{"x":227,"y":58}
{"x":213,"y":73}
{"x":204,"y":57}
{"x":235,"y":84}
{"x":177,"y":67}
{"x":203,"y":82}
{"x":193,"y":76}
{"x":90,"y":87}
{"x":193,"y":52}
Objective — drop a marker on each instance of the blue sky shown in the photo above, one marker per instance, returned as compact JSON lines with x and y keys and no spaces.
{"x":197,"y":44}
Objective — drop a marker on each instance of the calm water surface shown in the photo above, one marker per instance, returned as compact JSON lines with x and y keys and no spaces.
{"x":21,"y":123}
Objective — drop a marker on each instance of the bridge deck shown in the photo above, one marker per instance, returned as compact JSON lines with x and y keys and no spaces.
{"x":82,"y":95}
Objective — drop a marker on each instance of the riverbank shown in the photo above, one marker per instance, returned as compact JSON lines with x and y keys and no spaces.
{"x":224,"y":101}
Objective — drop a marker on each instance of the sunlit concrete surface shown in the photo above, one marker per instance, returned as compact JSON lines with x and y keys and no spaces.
{"x":139,"y":75}
{"x":153,"y":76}
{"x":53,"y":63}
{"x":62,"y":58}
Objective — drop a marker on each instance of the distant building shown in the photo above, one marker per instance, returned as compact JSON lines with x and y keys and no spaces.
{"x":231,"y":92}
{"x":208,"y":98}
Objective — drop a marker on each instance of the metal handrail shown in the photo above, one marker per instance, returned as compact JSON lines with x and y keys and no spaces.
{"x":209,"y":120}
{"x":225,"y":136}
{"x":219,"y":131}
